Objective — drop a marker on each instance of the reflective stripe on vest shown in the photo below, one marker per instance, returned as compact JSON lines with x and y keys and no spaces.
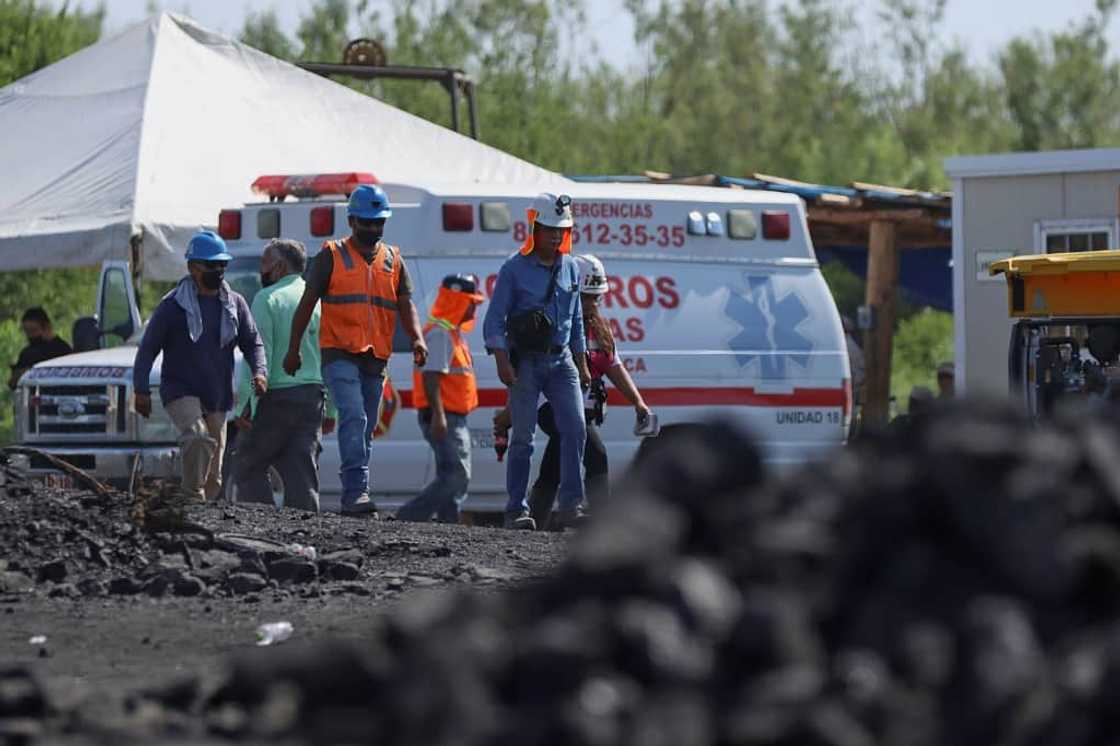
{"x":359,"y":312}
{"x":458,"y":389}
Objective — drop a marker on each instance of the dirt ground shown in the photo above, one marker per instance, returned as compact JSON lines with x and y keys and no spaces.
{"x":124,"y":610}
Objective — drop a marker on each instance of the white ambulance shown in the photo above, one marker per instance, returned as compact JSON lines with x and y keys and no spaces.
{"x":716,"y":300}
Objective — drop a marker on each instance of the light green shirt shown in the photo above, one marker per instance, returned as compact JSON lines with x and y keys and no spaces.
{"x":273,"y":310}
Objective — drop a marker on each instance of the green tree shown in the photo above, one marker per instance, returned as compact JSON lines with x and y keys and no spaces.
{"x":922,"y":342}
{"x":33,"y":35}
{"x":262,"y":31}
{"x":1063,"y":89}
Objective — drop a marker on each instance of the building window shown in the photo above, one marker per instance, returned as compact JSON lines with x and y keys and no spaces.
{"x":1061,"y":236}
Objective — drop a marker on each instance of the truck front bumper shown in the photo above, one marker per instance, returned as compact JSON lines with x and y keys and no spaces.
{"x":112,"y":465}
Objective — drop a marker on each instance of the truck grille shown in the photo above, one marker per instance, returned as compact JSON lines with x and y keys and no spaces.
{"x":64,"y":410}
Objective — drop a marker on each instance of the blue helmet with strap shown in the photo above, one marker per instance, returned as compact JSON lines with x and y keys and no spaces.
{"x":369,"y":202}
{"x":207,"y":246}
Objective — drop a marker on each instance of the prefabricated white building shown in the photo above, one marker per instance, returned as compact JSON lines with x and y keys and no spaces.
{"x":1013,"y":204}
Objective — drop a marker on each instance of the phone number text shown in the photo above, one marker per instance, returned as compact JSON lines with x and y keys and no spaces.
{"x":625,"y":234}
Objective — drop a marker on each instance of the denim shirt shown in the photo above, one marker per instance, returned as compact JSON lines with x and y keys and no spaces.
{"x":521,"y":285}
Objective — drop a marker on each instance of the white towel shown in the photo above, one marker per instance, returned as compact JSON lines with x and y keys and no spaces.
{"x":186,"y":295}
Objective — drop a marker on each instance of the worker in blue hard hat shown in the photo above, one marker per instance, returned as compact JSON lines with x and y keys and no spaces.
{"x":364,"y":285}
{"x":196,"y":327}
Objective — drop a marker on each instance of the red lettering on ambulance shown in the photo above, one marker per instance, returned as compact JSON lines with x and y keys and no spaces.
{"x":667,"y":287}
{"x":641,"y":291}
{"x":635,"y":331}
{"x":634,"y":365}
{"x":616,"y":329}
{"x":614,"y":293}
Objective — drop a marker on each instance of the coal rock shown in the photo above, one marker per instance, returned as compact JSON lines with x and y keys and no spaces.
{"x":188,"y":585}
{"x":242,"y":583}
{"x":293,"y":570}
{"x":53,"y":572}
{"x":125,"y":586}
{"x":955,"y":583}
{"x":336,"y":570}
{"x":21,"y":694}
{"x":15,"y":582}
{"x":63,"y":590}
{"x":92,"y":587}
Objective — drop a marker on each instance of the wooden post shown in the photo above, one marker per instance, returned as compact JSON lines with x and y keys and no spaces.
{"x":882,"y":286}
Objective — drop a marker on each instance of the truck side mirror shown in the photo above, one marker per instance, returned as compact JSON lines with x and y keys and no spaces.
{"x":86,"y":334}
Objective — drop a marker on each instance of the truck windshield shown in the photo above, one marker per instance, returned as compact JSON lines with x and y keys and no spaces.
{"x":244,"y":275}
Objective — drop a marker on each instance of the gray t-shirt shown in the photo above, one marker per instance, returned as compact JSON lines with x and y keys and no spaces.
{"x":440,"y":348}
{"x":318,"y":278}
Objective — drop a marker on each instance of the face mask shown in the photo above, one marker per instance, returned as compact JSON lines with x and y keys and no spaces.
{"x":266,"y":281}
{"x":367,"y":237}
{"x":212,"y":278}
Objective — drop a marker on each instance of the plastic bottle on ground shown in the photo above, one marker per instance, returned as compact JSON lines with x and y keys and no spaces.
{"x":274,"y":632}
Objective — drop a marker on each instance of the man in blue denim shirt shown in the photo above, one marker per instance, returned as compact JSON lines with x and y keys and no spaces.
{"x":557,"y":368}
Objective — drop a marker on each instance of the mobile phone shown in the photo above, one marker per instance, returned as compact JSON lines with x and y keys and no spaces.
{"x":649,"y":427}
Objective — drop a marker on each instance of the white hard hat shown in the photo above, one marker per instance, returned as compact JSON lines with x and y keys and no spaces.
{"x":592,"y":275}
{"x":554,"y":210}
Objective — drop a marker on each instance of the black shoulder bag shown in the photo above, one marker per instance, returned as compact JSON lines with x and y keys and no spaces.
{"x":531,"y":331}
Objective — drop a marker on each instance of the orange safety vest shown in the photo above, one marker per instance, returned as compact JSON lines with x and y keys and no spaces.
{"x":360,"y":305}
{"x":458,"y":389}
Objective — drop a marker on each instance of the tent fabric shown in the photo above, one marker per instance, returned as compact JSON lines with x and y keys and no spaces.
{"x":156,"y":129}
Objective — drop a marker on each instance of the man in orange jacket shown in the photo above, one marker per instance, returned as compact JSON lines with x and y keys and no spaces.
{"x":444,"y":392}
{"x":363,"y":284}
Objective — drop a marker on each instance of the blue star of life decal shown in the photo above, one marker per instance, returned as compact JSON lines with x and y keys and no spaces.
{"x":769,"y":328}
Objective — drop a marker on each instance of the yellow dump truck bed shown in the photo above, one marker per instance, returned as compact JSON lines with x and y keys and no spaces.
{"x":1085,"y":284}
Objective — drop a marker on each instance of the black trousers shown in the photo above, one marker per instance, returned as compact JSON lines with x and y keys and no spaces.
{"x":595,"y":467}
{"x":285,"y":435}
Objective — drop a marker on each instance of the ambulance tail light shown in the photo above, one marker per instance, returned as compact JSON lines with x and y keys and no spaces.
{"x":229,"y":224}
{"x":278,"y":186}
{"x":322,"y":220}
{"x":775,"y":225}
{"x":458,"y":216}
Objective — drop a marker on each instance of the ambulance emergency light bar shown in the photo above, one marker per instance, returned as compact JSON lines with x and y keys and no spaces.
{"x":278,"y":187}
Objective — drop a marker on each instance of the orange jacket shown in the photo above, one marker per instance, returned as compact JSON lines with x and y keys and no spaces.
{"x":458,"y":389}
{"x":360,"y":305}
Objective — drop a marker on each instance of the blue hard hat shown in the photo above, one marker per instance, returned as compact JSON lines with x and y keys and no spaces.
{"x":369,"y":203}
{"x":207,"y":246}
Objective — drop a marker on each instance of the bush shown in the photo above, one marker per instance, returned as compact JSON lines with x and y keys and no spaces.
{"x":922,"y":342}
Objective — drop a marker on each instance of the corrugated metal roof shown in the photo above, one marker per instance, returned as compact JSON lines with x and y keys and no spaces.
{"x":853,"y":194}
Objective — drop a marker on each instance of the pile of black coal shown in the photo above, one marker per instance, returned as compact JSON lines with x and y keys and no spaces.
{"x":957,"y":584}
{"x":67,"y":543}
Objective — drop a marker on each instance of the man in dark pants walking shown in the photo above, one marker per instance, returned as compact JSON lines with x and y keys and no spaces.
{"x":535,"y":316}
{"x":285,"y":428}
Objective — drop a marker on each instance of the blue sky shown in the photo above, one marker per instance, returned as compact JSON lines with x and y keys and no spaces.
{"x":981,"y":25}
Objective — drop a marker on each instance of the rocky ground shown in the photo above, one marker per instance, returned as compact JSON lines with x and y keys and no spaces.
{"x":954,"y":584}
{"x":123,"y":608}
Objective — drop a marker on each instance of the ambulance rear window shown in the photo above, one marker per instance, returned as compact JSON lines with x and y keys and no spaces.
{"x":268,"y":223}
{"x":741,"y":224}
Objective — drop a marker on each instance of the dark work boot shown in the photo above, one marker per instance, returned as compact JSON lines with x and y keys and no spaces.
{"x":541,"y":498}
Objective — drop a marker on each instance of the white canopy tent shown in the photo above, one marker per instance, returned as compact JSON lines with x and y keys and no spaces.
{"x":153,"y":131}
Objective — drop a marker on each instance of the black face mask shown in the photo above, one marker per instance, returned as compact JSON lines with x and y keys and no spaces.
{"x":212,"y":278}
{"x":266,"y":281}
{"x":367,"y":237}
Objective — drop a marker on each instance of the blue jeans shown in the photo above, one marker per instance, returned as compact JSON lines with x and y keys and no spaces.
{"x":357,"y":395}
{"x":453,"y":474}
{"x":556,"y":377}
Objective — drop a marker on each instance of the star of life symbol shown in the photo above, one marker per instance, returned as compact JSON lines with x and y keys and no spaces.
{"x":769,"y":328}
